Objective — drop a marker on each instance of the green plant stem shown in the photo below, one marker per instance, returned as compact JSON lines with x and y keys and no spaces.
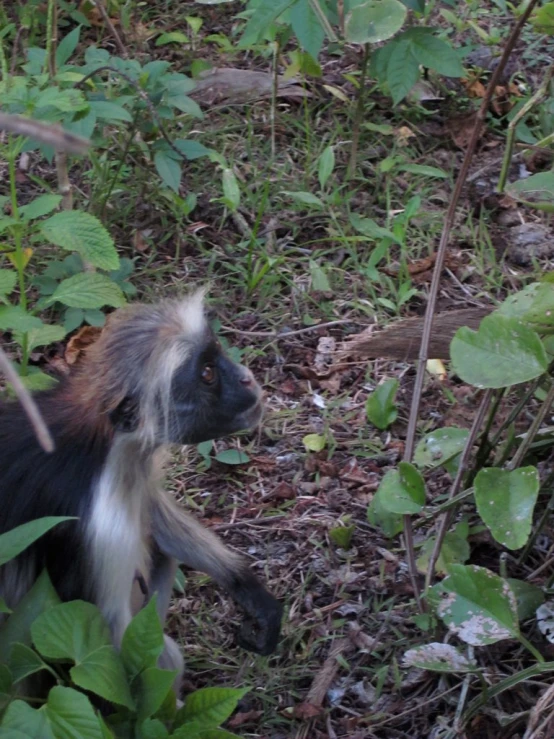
{"x":358,"y":115}
{"x":274,"y":91}
{"x":485,"y":447}
{"x":514,"y":413}
{"x":519,"y":116}
{"x":51,"y":33}
{"x":120,"y":164}
{"x":542,"y":521}
{"x":533,"y":429}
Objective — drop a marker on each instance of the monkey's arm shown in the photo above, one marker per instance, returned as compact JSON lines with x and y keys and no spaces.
{"x":180,"y":536}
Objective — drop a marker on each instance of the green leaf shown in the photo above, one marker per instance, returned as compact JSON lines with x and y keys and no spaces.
{"x":67,"y":46}
{"x":402,"y":69}
{"x":72,"y":716}
{"x":434,"y":53}
{"x":537,"y":190}
{"x":231,"y":189}
{"x":307,"y":28}
{"x":66,"y":101}
{"x":501,"y":353}
{"x":17,"y":540}
{"x":22,"y":722}
{"x":8,"y":278}
{"x":517,"y":305}
{"x":17,"y":628}
{"x":374,"y":21}
{"x":102,"y":673}
{"x":88,"y":290}
{"x":24,"y":661}
{"x":389,"y":523}
{"x":529,"y":597}
{"x":210,"y":707}
{"x":14,"y":318}
{"x":143,"y":641}
{"x":82,"y":232}
{"x":542,"y":19}
{"x":169,"y":170}
{"x":368,"y":227}
{"x":438,"y":657}
{"x":265,"y":13}
{"x":71,"y":631}
{"x":506,"y":500}
{"x":402,"y":490}
{"x":40,"y":206}
{"x":454,"y":550}
{"x":480,"y":607}
{"x":36,"y":380}
{"x":172,"y":37}
{"x":155,"y":684}
{"x":107,"y":110}
{"x":326,"y":165}
{"x":191,"y":149}
{"x":46,"y":334}
{"x":314,"y":442}
{"x":232,"y":456}
{"x":423,"y":169}
{"x":153,"y":728}
{"x":440,"y":446}
{"x":380,"y":406}
{"x":319,"y":279}
{"x":306,"y":198}
{"x":341,"y":536}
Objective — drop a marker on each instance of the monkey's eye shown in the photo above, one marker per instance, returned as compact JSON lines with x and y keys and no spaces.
{"x":208,"y":374}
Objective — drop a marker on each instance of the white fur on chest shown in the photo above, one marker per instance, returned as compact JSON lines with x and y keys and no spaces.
{"x":117,"y":530}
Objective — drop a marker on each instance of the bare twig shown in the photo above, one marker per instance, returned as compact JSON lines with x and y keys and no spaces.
{"x":28,"y":404}
{"x":45,"y":133}
{"x":438,"y":267}
{"x":281,"y":335}
{"x":111,"y":28}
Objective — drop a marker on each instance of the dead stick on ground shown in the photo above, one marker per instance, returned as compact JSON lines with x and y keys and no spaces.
{"x":28,"y":404}
{"x":439,"y":263}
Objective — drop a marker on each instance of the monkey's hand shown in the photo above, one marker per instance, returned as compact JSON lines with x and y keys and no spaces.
{"x":261,"y":627}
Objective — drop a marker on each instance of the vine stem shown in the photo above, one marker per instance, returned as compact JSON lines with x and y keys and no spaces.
{"x":437,"y":271}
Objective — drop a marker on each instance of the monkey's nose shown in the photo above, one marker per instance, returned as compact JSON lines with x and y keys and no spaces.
{"x":247,"y":381}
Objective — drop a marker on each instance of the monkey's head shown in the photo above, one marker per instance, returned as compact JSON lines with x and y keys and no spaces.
{"x":163,"y":375}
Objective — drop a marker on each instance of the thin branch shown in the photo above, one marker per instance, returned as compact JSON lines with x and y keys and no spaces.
{"x":45,"y":133}
{"x":111,"y":28}
{"x":280,"y":335}
{"x":28,"y":404}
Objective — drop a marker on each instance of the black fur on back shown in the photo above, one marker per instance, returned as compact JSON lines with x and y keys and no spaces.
{"x":34,"y":484}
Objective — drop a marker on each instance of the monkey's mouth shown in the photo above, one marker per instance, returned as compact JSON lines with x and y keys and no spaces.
{"x":250,"y":418}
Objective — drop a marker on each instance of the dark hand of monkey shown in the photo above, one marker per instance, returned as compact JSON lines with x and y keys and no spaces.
{"x":261,"y":627}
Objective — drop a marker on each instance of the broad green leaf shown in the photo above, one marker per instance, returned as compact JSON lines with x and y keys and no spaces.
{"x":438,"y":657}
{"x":6,"y":687}
{"x":403,"y":490}
{"x":440,"y":446}
{"x":517,"y":305}
{"x":70,"y":630}
{"x":389,"y":523}
{"x":22,"y":722}
{"x":368,"y":227}
{"x":264,"y":14}
{"x":172,"y":37}
{"x":36,"y":380}
{"x":543,"y":19}
{"x":232,"y":456}
{"x":40,"y":206}
{"x":82,"y":232}
{"x":17,"y":628}
{"x":17,"y":540}
{"x":67,"y":101}
{"x":14,"y":318}
{"x":107,"y":110}
{"x":24,"y":661}
{"x":434,"y":53}
{"x":529,"y":597}
{"x":210,"y":707}
{"x":325,"y":166}
{"x":479,"y":606}
{"x":306,"y":198}
{"x":72,"y":716}
{"x":88,"y":290}
{"x":102,"y":673}
{"x":185,"y":104}
{"x":506,"y":500}
{"x":191,"y":149}
{"x":423,"y":169}
{"x":320,"y":281}
{"x":501,"y":353}
{"x":169,"y":170}
{"x":67,"y":46}
{"x":380,"y":406}
{"x":231,"y":190}
{"x":153,"y":728}
{"x":8,"y":278}
{"x":455,"y":550}
{"x":341,"y":536}
{"x":154,"y":686}
{"x":374,"y":21}
{"x":538,"y":190}
{"x":46,"y":334}
{"x":143,"y":641}
{"x":402,"y":71}
{"x":306,"y":27}
{"x":314,"y":442}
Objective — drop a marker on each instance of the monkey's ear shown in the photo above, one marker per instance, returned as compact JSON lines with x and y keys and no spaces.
{"x":125,"y":416}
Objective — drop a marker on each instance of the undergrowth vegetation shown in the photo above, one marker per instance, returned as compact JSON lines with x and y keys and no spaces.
{"x":335,"y":171}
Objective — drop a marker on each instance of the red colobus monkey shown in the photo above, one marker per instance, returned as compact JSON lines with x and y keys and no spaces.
{"x":156,"y":376}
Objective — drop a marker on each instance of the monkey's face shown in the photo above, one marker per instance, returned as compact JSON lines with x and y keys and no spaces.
{"x":211,"y":396}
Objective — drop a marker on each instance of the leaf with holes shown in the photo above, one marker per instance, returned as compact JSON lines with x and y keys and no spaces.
{"x":477,"y":605}
{"x":438,"y":657}
{"x":82,"y":232}
{"x":506,"y":500}
{"x":502,"y":352}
